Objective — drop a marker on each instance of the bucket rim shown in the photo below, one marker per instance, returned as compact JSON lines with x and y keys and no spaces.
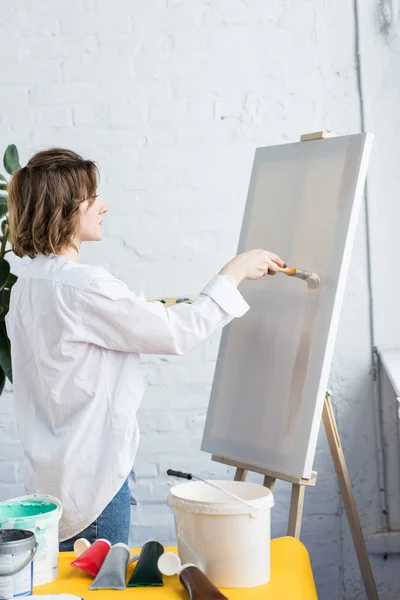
{"x":44,"y":498}
{"x":17,"y":546}
{"x":262,"y":504}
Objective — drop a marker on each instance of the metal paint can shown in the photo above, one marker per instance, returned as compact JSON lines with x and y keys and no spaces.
{"x":17,"y":549}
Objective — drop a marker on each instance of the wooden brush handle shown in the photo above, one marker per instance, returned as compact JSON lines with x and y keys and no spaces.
{"x":288,"y":271}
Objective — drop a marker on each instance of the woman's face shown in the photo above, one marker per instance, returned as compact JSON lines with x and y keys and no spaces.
{"x":91,"y":219}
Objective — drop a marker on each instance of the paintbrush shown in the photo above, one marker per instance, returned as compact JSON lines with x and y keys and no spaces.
{"x":313,"y":281}
{"x":190,"y":476}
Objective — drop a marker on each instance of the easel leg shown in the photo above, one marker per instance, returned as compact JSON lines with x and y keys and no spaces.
{"x":348,"y":499}
{"x":240,"y":475}
{"x":269,"y":482}
{"x":296,"y":510}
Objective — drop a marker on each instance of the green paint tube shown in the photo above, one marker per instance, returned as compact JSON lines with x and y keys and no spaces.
{"x":146,"y":573}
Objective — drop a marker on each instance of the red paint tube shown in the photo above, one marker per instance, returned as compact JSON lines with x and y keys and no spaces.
{"x":92,"y":559}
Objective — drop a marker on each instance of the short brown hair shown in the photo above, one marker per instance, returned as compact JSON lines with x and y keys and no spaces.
{"x":44,"y":199}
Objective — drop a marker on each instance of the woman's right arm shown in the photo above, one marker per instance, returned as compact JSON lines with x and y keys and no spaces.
{"x":113,"y":317}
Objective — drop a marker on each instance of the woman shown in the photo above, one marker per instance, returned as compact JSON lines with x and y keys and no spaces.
{"x":76,"y":336}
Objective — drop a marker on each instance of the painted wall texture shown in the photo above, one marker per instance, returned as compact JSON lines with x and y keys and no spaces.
{"x":171,"y":98}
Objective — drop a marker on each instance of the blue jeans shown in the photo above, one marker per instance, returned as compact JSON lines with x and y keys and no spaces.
{"x":113,"y":523}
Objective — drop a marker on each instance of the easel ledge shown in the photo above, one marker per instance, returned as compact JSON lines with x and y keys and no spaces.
{"x":245,"y":466}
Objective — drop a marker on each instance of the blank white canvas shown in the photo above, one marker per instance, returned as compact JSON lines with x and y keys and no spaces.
{"x":273,"y":364}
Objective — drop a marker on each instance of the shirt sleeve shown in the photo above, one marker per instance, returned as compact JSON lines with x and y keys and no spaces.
{"x":113,"y":317}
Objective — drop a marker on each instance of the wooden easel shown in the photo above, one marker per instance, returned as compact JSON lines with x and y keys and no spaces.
{"x":299,"y":485}
{"x":298,"y":490}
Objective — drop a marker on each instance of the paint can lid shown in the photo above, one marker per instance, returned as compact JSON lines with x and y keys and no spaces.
{"x":14,"y":541}
{"x":80,"y":546}
{"x":169,"y":563}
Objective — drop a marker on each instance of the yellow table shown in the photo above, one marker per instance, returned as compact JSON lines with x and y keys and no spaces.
{"x":291,"y":579}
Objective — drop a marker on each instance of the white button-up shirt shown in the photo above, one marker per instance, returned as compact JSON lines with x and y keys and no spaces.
{"x":76,"y":335}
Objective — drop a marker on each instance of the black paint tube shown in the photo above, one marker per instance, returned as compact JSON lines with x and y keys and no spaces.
{"x":147,"y":573}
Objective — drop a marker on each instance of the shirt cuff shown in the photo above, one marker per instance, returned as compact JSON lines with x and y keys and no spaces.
{"x":223,"y":290}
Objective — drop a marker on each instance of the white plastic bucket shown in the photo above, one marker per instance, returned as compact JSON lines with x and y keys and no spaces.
{"x":227,"y":539}
{"x":41,"y":515}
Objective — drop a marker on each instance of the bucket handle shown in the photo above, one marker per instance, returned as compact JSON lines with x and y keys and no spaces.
{"x":28,"y":560}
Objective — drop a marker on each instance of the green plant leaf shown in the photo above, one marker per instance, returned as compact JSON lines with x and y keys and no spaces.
{"x":4,"y":272}
{"x":10,"y":281}
{"x":5,"y":352}
{"x":4,"y":302}
{"x":11,"y":159}
{"x":2,"y":380}
{"x":2,"y":178}
{"x":3,"y":206}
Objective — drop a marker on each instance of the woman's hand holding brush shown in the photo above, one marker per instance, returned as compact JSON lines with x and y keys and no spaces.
{"x":253,"y":264}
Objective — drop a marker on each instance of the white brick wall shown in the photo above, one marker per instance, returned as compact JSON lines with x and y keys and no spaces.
{"x":171,"y":98}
